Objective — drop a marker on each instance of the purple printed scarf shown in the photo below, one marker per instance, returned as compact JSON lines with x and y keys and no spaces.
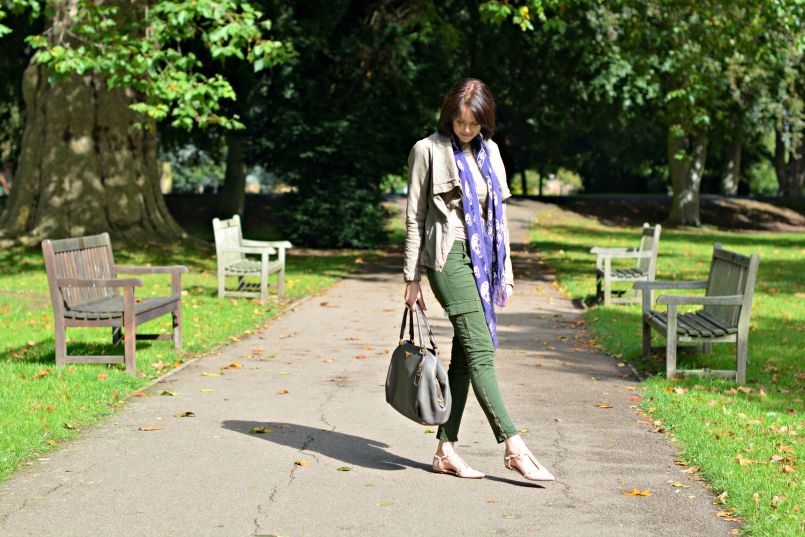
{"x":487,"y":243}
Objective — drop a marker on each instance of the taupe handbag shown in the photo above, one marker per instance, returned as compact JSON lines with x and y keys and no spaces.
{"x":416,"y":384}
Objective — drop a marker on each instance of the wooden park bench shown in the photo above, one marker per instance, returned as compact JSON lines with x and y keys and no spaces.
{"x":231,"y":250}
{"x":85,"y":292}
{"x":645,"y":256}
{"x":723,"y":319}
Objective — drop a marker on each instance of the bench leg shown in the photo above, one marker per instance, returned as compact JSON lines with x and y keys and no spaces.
{"x":117,"y":335}
{"x":129,"y":331}
{"x":221,"y":284}
{"x":263,"y":283}
{"x":741,"y":347}
{"x":599,"y":293}
{"x":670,"y":343}
{"x":176,"y":317}
{"x":60,"y":337}
{"x":607,"y":282}
{"x":646,"y":338}
{"x":281,"y":281}
{"x":707,"y":348}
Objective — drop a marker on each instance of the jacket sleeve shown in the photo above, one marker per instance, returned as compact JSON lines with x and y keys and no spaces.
{"x":416,"y":209}
{"x":507,"y":265}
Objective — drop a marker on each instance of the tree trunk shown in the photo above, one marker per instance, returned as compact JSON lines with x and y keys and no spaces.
{"x":731,"y":168}
{"x":789,"y":167}
{"x":524,"y":183}
{"x":84,"y":165}
{"x":233,"y":198}
{"x":686,"y":157}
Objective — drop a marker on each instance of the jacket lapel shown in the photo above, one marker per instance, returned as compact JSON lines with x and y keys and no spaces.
{"x":445,"y":172}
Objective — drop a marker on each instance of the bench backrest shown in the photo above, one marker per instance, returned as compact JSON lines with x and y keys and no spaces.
{"x":227,"y":233}
{"x":732,"y":274}
{"x":649,"y":242}
{"x":85,"y":258}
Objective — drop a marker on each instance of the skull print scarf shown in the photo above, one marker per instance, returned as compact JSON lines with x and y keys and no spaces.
{"x":487,"y":242}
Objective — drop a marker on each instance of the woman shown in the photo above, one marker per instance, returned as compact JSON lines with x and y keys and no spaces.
{"x":456,"y":228}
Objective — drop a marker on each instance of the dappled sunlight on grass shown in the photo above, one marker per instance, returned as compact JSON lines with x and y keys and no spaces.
{"x":718,"y":426}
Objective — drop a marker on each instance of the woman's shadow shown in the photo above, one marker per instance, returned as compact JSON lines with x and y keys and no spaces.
{"x":350,"y":449}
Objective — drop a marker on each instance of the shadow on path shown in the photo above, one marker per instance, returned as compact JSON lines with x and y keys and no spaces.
{"x":350,"y":449}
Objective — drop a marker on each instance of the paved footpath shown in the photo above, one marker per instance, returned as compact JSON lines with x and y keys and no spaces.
{"x":207,"y":475}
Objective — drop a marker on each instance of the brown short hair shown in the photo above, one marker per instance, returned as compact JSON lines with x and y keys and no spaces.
{"x":475,"y":95}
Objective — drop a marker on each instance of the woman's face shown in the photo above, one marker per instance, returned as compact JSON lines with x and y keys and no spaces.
{"x":465,"y":126}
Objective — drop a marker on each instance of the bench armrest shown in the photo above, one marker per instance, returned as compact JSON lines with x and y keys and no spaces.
{"x":624,"y":255}
{"x":723,"y":300}
{"x":691,"y":284}
{"x":248,"y":250}
{"x":130,"y":269}
{"x":119,"y":282}
{"x":274,"y":244}
{"x":604,"y":250}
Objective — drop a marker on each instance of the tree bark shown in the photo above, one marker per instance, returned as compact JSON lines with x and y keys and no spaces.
{"x":524,"y":183}
{"x":731,"y":167}
{"x":233,"y":197}
{"x":686,"y":157}
{"x":789,"y":167}
{"x":85,"y":166}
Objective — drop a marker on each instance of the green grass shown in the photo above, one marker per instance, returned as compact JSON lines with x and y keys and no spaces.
{"x":42,"y":406}
{"x":714,"y":421}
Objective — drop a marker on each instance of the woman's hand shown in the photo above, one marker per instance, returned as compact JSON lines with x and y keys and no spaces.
{"x":509,"y":293}
{"x":413,"y":294}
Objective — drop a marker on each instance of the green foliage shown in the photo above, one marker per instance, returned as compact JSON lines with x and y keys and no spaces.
{"x":762,"y":178}
{"x":38,"y":400}
{"x":710,"y":420}
{"x":338,"y":213}
{"x":159,"y":51}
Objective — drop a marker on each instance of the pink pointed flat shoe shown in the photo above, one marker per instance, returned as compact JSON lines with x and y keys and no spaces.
{"x":519,"y":463}
{"x":456,"y":467}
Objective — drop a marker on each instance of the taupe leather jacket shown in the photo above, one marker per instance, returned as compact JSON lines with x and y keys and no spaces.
{"x":434,"y":189}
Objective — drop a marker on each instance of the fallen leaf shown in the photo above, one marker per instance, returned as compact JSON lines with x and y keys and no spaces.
{"x":70,"y":426}
{"x":743,"y":461}
{"x":185,"y":414}
{"x":138,"y":394}
{"x":207,"y":374}
{"x":679,"y":484}
{"x":207,"y":390}
{"x":158,"y":365}
{"x":557,"y":419}
{"x":361,"y":357}
{"x":233,"y":365}
{"x":430,"y":431}
{"x":745,"y":389}
{"x":523,"y":430}
{"x":260,"y":430}
{"x":168,"y":394}
{"x":302,"y":463}
{"x":788,"y":469}
{"x":101,"y":376}
{"x":329,"y":360}
{"x":491,"y":501}
{"x":731,"y":391}
{"x":603,"y":405}
{"x":282,"y":392}
{"x":150,"y":428}
{"x":344,"y":468}
{"x":637,"y":492}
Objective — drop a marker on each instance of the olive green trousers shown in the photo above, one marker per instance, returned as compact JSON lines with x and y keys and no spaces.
{"x":473,"y":356}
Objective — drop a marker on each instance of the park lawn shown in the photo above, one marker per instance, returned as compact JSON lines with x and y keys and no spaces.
{"x":42,"y":406}
{"x":746,"y":441}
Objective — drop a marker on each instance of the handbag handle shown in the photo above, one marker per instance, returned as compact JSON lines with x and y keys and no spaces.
{"x":409,"y":312}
